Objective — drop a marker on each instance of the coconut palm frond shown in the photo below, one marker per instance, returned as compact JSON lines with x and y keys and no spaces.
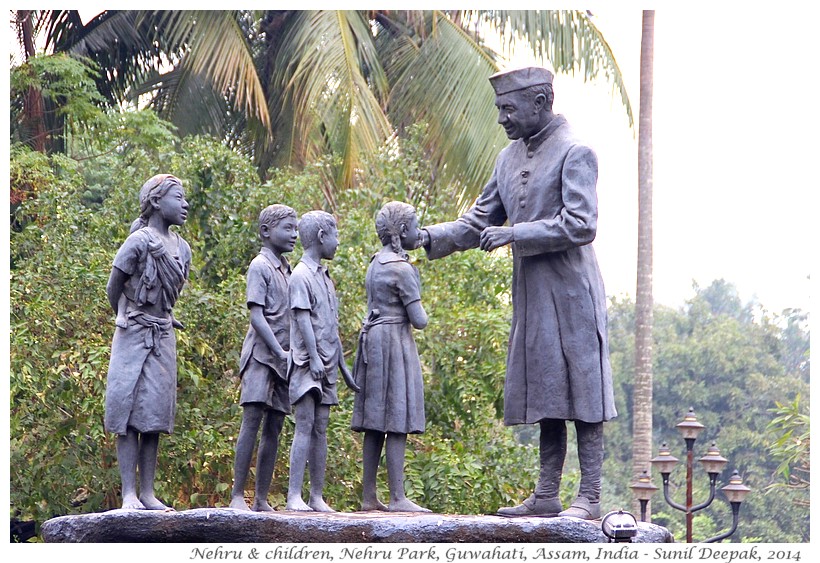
{"x":111,"y":28}
{"x":175,"y":93}
{"x":446,"y":86}
{"x":397,"y":43}
{"x":61,"y":28}
{"x":125,"y":45}
{"x":330,"y":73}
{"x":216,"y":47}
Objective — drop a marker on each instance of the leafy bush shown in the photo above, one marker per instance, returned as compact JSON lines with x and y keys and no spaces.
{"x":733,"y":363}
{"x":61,"y":329}
{"x":715,"y":355}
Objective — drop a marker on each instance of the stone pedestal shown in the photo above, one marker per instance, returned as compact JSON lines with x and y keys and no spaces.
{"x":223,"y":525}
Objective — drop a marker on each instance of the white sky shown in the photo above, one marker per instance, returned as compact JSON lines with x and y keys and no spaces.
{"x":734,"y":129}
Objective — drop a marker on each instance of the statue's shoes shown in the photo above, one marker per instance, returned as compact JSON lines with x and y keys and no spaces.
{"x":533,"y":506}
{"x":584,"y":509}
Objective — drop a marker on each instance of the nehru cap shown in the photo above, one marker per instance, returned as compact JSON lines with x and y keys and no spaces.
{"x":518,"y":79}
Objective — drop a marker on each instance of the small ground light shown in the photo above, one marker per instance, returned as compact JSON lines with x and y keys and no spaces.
{"x":619,"y":526}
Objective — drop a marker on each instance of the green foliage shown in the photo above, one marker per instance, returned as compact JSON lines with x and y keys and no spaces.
{"x":52,"y":98}
{"x":792,"y":448}
{"x":733,"y":363}
{"x":59,"y":351}
{"x":61,"y":329}
{"x":125,"y":138}
{"x":66,"y":81}
{"x":288,"y":86}
{"x":29,"y":172}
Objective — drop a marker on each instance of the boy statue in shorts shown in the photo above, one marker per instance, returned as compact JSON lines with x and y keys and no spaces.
{"x":316,"y":358}
{"x":263,"y":362}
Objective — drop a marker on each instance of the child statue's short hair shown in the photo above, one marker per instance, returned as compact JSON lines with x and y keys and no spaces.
{"x":272,"y":214}
{"x":310,"y":224}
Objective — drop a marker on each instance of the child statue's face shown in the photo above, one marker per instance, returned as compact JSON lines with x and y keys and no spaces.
{"x":282,"y":236}
{"x":411,"y":234}
{"x":330,"y":242}
{"x":172,"y":206}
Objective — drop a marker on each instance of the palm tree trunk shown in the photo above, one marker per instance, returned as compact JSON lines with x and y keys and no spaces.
{"x":34,"y":113}
{"x":642,"y":399}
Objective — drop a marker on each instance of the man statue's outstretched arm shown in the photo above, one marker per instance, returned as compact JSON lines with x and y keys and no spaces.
{"x":464,"y":233}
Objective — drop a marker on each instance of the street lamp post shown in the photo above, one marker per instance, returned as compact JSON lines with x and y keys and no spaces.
{"x":712,"y":462}
{"x":735,"y":491}
{"x":643,"y":491}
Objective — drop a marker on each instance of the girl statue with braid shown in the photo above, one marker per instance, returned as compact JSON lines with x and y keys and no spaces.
{"x":149,"y":270}
{"x":390,"y":404}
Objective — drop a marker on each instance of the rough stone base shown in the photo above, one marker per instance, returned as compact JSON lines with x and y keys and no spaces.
{"x":224,"y":525}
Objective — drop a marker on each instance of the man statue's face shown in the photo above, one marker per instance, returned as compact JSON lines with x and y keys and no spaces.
{"x":518,"y":113}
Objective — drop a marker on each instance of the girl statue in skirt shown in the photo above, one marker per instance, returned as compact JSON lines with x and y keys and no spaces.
{"x":150,"y":269}
{"x":391,"y":401}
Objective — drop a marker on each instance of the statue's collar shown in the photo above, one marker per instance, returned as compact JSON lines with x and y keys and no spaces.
{"x":312,"y":264}
{"x":388,"y":257}
{"x":281,"y":264}
{"x":535,"y":141}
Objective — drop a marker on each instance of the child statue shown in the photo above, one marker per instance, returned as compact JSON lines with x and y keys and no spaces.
{"x":387,"y":367}
{"x":150,"y":269}
{"x":316,"y":357}
{"x":263,"y":362}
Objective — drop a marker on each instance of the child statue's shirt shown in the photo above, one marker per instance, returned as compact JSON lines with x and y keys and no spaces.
{"x":311,"y":289}
{"x":267,"y":287}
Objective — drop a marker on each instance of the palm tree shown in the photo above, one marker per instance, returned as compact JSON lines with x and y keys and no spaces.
{"x":288,"y":86}
{"x":33,"y":120}
{"x":644,"y":319}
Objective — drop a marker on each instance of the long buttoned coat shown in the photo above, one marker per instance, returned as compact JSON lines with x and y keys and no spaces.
{"x":558,"y":356}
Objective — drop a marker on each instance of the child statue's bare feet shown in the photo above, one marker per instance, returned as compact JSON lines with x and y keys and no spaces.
{"x":374,"y":504}
{"x":297,"y":504}
{"x":152,"y":503}
{"x":131,"y":502}
{"x":319,"y":505}
{"x":262,"y":505}
{"x":407,"y":505}
{"x":238,"y":503}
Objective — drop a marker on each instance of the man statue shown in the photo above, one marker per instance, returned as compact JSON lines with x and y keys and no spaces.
{"x":558,"y":366}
